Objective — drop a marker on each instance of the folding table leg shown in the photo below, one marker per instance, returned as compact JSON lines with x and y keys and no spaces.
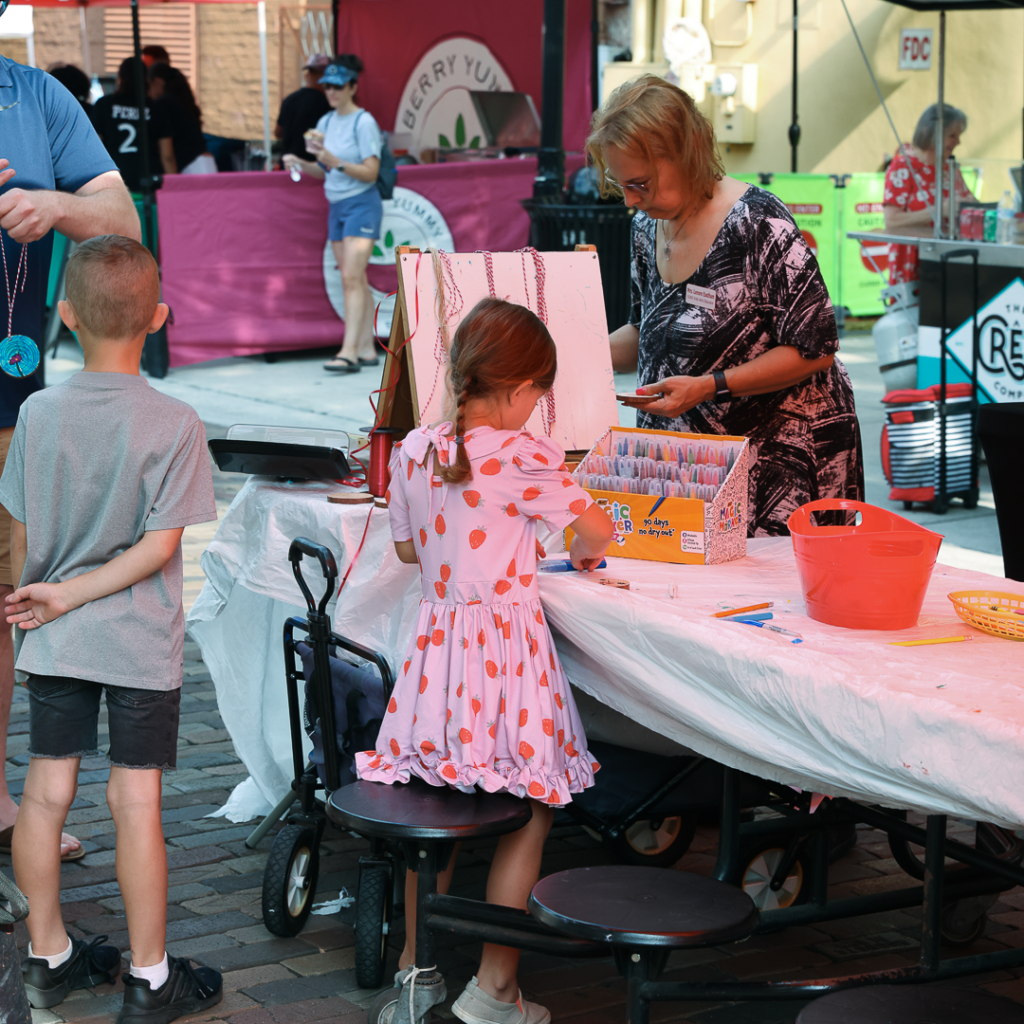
{"x":931,"y":907}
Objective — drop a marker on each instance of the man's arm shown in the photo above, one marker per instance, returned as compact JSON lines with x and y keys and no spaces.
{"x":34,"y":605}
{"x":102,"y":206}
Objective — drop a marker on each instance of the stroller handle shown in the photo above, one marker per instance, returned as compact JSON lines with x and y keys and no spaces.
{"x":302,"y":546}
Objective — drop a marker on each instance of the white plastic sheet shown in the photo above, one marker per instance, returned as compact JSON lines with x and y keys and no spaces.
{"x":937,"y":728}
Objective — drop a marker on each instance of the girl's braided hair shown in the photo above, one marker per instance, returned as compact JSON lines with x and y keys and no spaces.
{"x":497,"y":346}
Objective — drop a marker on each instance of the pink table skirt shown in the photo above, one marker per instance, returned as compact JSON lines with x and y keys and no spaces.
{"x":242,"y":254}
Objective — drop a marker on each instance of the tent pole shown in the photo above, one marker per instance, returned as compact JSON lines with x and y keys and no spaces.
{"x":551,"y":158}
{"x":146,"y":184}
{"x":261,"y":17}
{"x":940,"y":129}
{"x":794,"y":127}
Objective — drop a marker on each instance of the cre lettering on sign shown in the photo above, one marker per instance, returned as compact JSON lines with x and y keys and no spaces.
{"x":916,"y":49}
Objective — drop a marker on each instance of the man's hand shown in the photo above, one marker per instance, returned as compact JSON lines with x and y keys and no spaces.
{"x":33,"y":606}
{"x":25,"y":216}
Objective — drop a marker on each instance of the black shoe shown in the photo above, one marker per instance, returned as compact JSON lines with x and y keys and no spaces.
{"x":90,"y":963}
{"x":187,"y":989}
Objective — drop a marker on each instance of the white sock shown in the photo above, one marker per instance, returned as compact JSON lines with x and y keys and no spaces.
{"x":53,"y":961}
{"x":155,"y":975}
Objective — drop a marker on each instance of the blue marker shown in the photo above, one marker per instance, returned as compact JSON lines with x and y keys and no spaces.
{"x":775,"y":629}
{"x":565,"y":565}
{"x":750,"y":617}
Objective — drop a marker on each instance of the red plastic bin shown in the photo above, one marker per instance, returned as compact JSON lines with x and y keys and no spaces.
{"x":870,"y":576}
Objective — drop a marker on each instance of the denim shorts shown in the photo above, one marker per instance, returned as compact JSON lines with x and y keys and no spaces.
{"x":358,"y":216}
{"x":63,"y":717}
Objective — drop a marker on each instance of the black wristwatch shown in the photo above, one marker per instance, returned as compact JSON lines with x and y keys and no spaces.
{"x":722,"y":392}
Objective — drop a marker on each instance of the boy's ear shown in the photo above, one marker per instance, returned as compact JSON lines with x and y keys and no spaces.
{"x":158,"y":318}
{"x":67,"y":314}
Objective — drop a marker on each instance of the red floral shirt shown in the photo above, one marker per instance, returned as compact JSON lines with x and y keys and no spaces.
{"x":912,"y":192}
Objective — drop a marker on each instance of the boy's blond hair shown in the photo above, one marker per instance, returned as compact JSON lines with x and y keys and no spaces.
{"x":114,"y":286}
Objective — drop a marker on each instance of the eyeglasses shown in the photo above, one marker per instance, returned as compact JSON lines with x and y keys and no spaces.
{"x":641,"y":188}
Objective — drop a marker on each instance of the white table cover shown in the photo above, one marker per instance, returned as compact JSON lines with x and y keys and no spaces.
{"x":936,"y":728}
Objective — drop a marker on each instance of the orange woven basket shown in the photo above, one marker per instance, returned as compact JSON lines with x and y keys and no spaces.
{"x":992,"y":611}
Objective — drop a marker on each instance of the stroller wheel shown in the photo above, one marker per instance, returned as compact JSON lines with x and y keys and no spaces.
{"x":654,"y":842}
{"x":382,"y":1009}
{"x":758,"y":864}
{"x":289,"y":880}
{"x":373,"y":918}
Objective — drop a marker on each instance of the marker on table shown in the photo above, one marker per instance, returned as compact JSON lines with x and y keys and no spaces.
{"x":750,"y":616}
{"x":565,"y":565}
{"x":766,"y":625}
{"x":934,"y":640}
{"x":728,"y":613}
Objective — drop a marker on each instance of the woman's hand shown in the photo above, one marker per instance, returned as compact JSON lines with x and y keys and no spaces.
{"x":677,"y":395}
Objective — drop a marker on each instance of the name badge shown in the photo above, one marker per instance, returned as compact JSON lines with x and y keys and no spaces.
{"x":703,"y":297}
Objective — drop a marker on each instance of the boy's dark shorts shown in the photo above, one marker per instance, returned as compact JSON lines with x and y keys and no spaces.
{"x":63,"y":716}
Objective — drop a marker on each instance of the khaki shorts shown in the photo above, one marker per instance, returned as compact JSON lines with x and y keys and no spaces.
{"x":6,"y":433}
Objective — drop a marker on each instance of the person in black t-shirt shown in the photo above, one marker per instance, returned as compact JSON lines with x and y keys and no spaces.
{"x":116,"y":118}
{"x":177,"y":123}
{"x":301,"y":110}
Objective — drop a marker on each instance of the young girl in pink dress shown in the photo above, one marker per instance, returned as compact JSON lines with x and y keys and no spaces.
{"x":481,"y":699}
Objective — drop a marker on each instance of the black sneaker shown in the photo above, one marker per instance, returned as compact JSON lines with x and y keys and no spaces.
{"x":91,"y":963}
{"x":187,"y":989}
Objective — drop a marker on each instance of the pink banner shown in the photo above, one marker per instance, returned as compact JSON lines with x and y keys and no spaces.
{"x":242,"y":254}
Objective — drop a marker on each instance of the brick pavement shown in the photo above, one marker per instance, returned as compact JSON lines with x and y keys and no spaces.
{"x":215,"y":901}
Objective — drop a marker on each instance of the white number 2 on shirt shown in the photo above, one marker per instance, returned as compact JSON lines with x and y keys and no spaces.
{"x":128,"y":145}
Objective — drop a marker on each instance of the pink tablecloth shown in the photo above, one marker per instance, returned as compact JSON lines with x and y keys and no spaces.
{"x":242,"y":254}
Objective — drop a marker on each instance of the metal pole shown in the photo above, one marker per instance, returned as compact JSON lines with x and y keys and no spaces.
{"x":146,"y":184}
{"x":595,"y":39}
{"x":261,"y":18}
{"x":794,"y":127}
{"x":551,"y":158}
{"x":940,"y":136}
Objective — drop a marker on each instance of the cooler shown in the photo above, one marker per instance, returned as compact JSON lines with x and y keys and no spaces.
{"x":911,"y":445}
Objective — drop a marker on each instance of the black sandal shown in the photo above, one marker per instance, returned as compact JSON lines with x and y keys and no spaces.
{"x":339,"y":364}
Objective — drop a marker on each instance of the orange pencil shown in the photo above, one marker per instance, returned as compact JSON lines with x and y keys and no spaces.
{"x":739,"y":611}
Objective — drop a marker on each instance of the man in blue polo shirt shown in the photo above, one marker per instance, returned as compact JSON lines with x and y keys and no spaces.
{"x":54,"y":174}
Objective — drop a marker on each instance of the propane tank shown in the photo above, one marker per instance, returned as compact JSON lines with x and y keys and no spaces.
{"x":895,"y":337}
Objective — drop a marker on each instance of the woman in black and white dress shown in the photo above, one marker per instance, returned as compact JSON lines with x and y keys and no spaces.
{"x":731,"y":322}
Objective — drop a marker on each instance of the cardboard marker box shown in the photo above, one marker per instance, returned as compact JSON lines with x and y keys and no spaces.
{"x":685,"y":530}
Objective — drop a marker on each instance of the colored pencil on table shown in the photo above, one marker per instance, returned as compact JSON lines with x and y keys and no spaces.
{"x":934,"y":640}
{"x":736,"y":611}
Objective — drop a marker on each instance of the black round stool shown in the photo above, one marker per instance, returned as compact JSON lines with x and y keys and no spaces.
{"x":644,"y":913}
{"x":427,"y":821}
{"x":912,"y":1004}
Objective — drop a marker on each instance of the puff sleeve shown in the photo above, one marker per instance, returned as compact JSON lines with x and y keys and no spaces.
{"x":542,"y":487}
{"x":397,"y":499}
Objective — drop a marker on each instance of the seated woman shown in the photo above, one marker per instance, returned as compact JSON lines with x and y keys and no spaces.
{"x":732,"y":330}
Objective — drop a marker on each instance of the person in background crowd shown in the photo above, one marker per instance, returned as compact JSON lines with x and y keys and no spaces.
{"x":116,"y":118}
{"x":177,"y":123}
{"x":909,"y":196}
{"x":75,"y":80}
{"x":301,"y":109}
{"x":49,"y":179}
{"x":155,"y":55}
{"x":347,"y":145}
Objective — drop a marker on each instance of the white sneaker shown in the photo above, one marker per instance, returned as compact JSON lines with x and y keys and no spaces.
{"x":475,"y":1006}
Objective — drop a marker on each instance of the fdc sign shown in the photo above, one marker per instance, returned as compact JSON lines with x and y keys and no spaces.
{"x":916,"y":49}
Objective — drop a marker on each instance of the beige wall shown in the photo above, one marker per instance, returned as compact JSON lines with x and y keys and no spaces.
{"x":844,"y":126}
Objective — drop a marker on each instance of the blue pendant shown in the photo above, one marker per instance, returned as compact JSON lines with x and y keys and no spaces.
{"x":19,"y":356}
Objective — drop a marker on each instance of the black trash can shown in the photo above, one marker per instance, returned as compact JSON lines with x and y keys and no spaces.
{"x":560,"y":227}
{"x":1001,"y":432}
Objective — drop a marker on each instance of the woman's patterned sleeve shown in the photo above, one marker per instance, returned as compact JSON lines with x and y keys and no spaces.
{"x":638,"y":270}
{"x":398,"y":501}
{"x":792,"y":288}
{"x":899,"y":184}
{"x":542,"y":487}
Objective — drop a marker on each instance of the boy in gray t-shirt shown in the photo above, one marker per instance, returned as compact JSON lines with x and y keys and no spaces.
{"x":103,"y":474}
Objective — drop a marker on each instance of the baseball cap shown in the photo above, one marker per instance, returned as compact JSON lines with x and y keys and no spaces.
{"x":318,"y":62}
{"x":338,"y":74}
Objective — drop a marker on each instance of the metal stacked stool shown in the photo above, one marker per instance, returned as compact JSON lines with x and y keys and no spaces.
{"x":644,"y":913}
{"x":896,"y":1004}
{"x":426,"y":822}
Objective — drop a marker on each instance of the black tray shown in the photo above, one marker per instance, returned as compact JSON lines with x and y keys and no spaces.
{"x":288,"y":461}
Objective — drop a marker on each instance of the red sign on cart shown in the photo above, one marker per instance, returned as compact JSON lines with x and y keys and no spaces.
{"x":916,"y":49}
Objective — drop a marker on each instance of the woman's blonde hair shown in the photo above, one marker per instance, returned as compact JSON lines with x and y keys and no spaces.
{"x":651,"y":119}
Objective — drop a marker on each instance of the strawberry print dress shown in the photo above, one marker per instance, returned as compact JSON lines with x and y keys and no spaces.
{"x":481,"y":699}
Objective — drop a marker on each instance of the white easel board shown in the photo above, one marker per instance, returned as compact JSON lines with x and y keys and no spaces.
{"x":584,"y":390}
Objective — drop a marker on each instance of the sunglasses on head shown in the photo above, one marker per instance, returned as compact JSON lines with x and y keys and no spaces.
{"x":641,"y":188}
